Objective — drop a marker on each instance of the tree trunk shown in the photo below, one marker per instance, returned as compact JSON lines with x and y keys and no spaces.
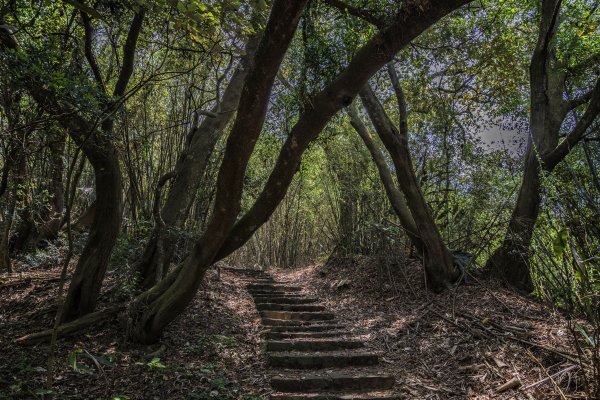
{"x":439,"y":263}
{"x":511,"y":260}
{"x":189,"y":169}
{"x":409,"y":23}
{"x":548,"y":110}
{"x":97,"y":143}
{"x":53,"y":213}
{"x":152,"y":311}
{"x":394,"y":195}
{"x":86,"y":283}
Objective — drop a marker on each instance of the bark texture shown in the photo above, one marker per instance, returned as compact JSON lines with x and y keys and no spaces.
{"x":394,"y":194}
{"x":154,"y":309}
{"x":439,"y":263}
{"x":189,"y":169}
{"x":548,"y":110}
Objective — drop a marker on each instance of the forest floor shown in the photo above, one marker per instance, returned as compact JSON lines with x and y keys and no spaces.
{"x":461,"y":345}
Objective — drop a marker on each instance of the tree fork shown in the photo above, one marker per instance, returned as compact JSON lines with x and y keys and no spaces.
{"x":438,"y":261}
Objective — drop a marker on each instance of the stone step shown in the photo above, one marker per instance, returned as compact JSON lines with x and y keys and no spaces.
{"x":264,"y":281}
{"x":337,"y":380}
{"x":260,"y":292}
{"x":288,"y":307}
{"x":268,"y":322}
{"x":287,"y":295}
{"x":304,"y":335}
{"x":304,"y":327}
{"x":386,"y":395}
{"x":299,"y":299}
{"x":245,"y":271}
{"x":313,"y":345}
{"x":273,"y":287}
{"x":297,"y":315}
{"x":301,"y":360}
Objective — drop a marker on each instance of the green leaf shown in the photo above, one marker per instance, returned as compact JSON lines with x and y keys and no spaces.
{"x":591,"y":341}
{"x":72,"y":361}
{"x":154,"y":363}
{"x":559,"y":244}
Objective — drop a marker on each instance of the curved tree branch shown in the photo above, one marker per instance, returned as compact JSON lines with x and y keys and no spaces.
{"x":129,"y":53}
{"x":365,"y":15}
{"x":89,"y":53}
{"x":410,"y":22}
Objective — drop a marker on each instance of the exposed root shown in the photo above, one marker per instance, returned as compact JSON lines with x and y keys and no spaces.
{"x":74,"y":326}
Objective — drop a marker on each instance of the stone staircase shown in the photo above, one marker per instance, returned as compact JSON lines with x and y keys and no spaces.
{"x":311,"y":356}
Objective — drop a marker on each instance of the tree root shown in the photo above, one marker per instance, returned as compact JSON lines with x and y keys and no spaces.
{"x":74,"y":326}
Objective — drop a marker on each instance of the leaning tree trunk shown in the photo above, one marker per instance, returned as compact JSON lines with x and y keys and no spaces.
{"x":409,"y":23}
{"x":86,"y":282}
{"x":189,"y":169}
{"x":154,"y":309}
{"x":150,"y":313}
{"x":394,"y":195}
{"x":438,"y":261}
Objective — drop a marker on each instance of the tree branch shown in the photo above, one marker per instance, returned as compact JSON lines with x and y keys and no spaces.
{"x":409,"y":23}
{"x":394,"y":194}
{"x":356,"y":12}
{"x":129,"y":53}
{"x":550,"y":160}
{"x":400,"y":98}
{"x":581,"y":100}
{"x":89,"y":54}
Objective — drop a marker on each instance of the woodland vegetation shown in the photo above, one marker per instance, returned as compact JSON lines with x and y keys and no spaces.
{"x":152,"y":141}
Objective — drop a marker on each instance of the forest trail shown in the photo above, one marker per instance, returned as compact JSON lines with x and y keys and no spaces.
{"x":311,"y":355}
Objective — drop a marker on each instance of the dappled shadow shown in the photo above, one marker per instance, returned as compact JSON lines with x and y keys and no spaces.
{"x":426,"y":341}
{"x":212,"y":351}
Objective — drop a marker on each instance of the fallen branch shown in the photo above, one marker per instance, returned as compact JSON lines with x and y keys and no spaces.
{"x":73,"y":326}
{"x":478,"y":333}
{"x":551,"y":377}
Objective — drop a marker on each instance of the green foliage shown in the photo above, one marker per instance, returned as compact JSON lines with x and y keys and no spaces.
{"x":73,"y":361}
{"x":154,"y":363}
{"x":559,"y":244}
